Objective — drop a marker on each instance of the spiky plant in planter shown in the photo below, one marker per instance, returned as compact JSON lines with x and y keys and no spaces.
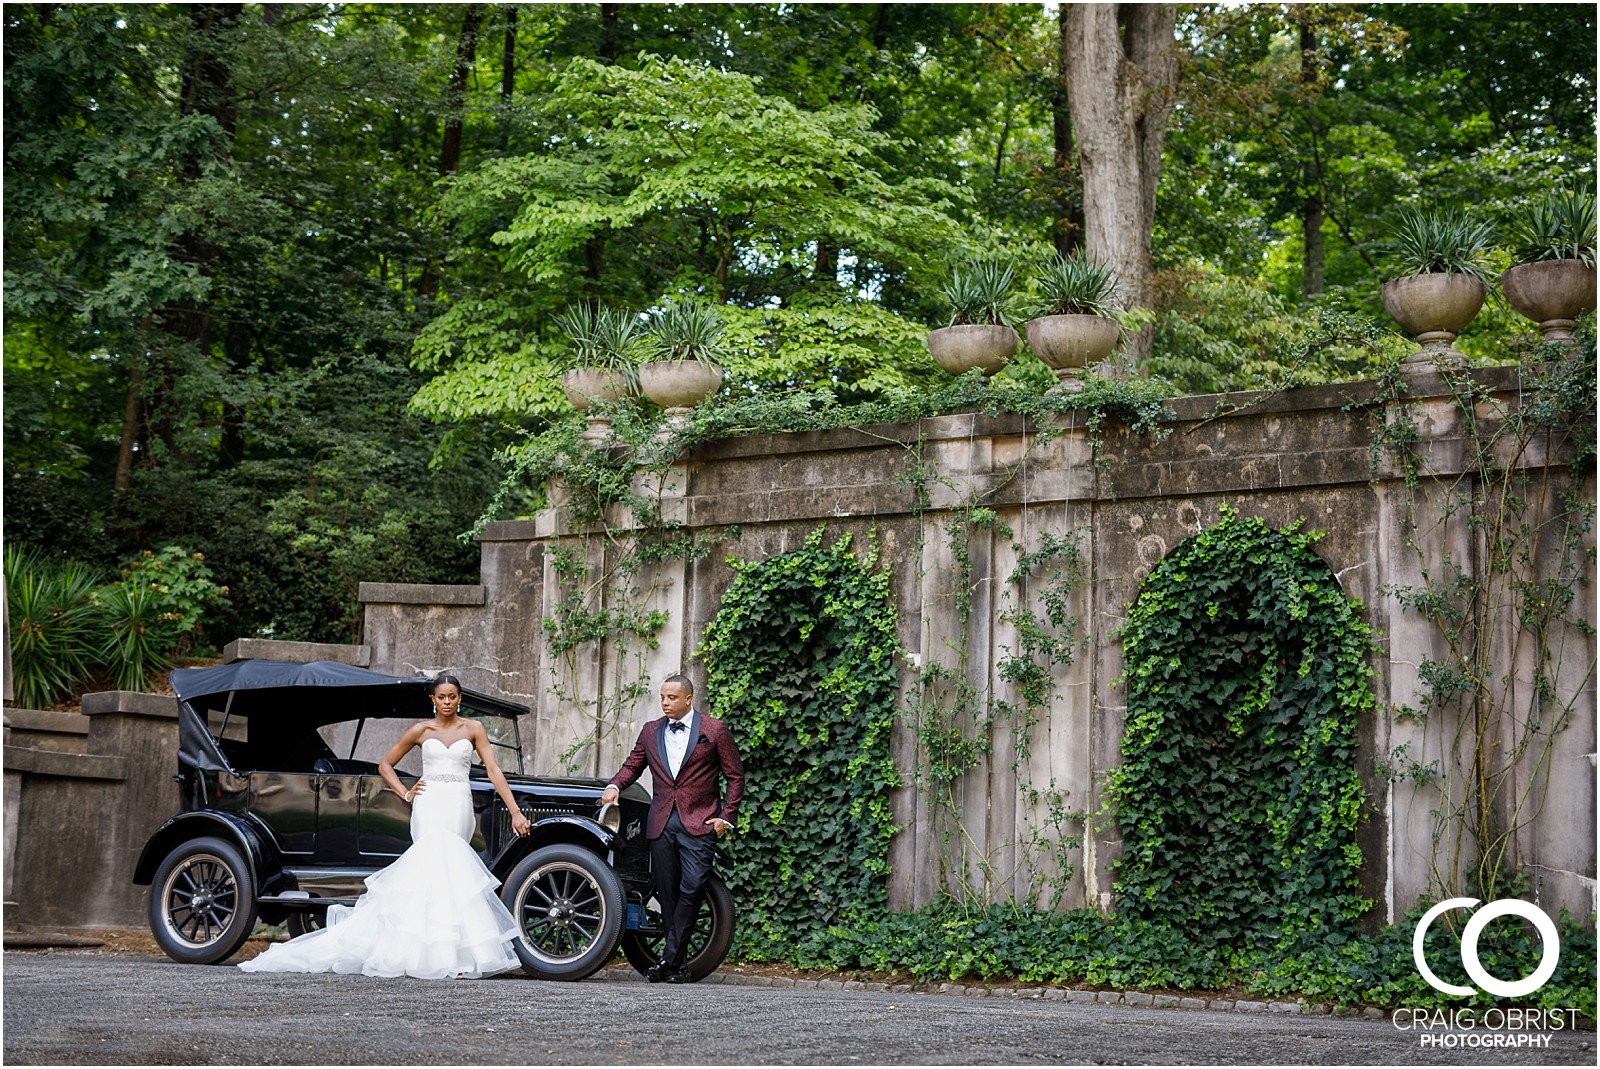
{"x":1439,"y":242}
{"x":689,"y":338}
{"x":1078,"y":285}
{"x":979,"y":293}
{"x":602,"y":359}
{"x":1552,"y":280}
{"x":1075,"y":328}
{"x":1438,"y":278}
{"x":1560,"y":227}
{"x":979,"y":334}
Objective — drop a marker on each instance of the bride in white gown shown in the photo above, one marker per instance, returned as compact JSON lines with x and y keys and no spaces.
{"x":432,"y":913}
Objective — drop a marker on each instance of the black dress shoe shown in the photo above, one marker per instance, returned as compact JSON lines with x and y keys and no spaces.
{"x":680,"y":975}
{"x":658,"y":972}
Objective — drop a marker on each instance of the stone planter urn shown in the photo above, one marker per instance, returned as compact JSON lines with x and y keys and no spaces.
{"x":985,"y":346}
{"x":679,"y":385}
{"x":1433,"y":309}
{"x":1071,"y":343}
{"x":586,"y":385}
{"x":1552,"y":293}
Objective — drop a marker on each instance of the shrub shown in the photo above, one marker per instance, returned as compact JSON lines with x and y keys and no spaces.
{"x":53,"y":621}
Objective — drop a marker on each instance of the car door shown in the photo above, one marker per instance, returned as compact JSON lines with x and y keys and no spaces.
{"x":339,"y":817}
{"x":385,"y":823}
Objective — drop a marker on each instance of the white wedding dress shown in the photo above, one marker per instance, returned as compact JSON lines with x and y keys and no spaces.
{"x":432,"y":913}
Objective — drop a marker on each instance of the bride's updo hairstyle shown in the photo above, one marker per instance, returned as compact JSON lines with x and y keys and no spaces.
{"x":441,"y":680}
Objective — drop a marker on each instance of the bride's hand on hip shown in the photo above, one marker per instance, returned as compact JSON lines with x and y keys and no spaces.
{"x":415,"y":790}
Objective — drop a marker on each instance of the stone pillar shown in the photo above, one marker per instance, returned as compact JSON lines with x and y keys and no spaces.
{"x":142,"y":731}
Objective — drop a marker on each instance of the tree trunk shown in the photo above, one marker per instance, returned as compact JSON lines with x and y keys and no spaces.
{"x":594,"y":250}
{"x":1312,"y":284}
{"x":236,"y":349}
{"x":508,"y":76}
{"x":827,"y":262}
{"x":1066,"y":228}
{"x":455,"y":99}
{"x":508,"y":57}
{"x":1122,"y":76}
{"x":205,"y":88}
{"x":609,"y":13}
{"x":130,"y":417}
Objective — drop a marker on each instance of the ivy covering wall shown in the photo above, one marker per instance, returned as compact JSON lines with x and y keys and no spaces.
{"x":801,"y":664}
{"x":1238,"y":798}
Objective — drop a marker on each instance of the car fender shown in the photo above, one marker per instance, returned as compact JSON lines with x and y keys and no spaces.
{"x":256,"y":843}
{"x":563,"y":828}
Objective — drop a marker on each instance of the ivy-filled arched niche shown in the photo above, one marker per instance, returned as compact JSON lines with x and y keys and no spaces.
{"x":801,"y":665}
{"x":1238,"y":796}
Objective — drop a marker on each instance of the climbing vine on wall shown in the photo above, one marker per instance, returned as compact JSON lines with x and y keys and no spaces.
{"x":609,"y":498}
{"x":1238,"y":797}
{"x":801,"y":664}
{"x":1503,"y":546}
{"x":958,"y":720}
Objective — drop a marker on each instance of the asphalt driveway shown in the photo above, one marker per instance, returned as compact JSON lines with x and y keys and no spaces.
{"x":70,"y":1008}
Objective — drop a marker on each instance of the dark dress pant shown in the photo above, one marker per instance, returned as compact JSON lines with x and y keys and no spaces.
{"x":680,"y":864}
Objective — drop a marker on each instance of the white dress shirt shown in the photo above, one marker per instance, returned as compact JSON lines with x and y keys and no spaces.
{"x":677,"y":744}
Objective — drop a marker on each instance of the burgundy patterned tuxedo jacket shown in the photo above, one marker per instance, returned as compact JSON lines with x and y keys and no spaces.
{"x":694,"y":791}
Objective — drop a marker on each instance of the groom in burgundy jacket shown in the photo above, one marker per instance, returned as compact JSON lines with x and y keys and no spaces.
{"x":685,"y":751}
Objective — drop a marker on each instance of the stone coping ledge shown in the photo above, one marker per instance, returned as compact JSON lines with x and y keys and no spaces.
{"x":130,"y":702}
{"x":420,"y":594}
{"x":67,"y":765}
{"x":1138,"y":999}
{"x":55,"y":721}
{"x":1422,"y":384}
{"x":270,"y":649}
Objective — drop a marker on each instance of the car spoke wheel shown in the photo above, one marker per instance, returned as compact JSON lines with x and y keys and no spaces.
{"x":202,"y":902}
{"x":569,"y":911}
{"x":709,"y":939}
{"x":302,"y":921}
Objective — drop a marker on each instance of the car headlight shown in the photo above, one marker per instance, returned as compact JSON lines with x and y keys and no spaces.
{"x":610,"y":817}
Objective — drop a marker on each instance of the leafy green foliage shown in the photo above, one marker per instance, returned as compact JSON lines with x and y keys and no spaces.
{"x":141,"y":634}
{"x":801,"y":664}
{"x":1215,"y":333}
{"x":66,"y":629}
{"x":699,"y":165}
{"x":182,"y":585}
{"x":1082,"y":947}
{"x":1238,"y":797}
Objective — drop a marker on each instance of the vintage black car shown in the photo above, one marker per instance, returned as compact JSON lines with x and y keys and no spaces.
{"x":283,"y":814}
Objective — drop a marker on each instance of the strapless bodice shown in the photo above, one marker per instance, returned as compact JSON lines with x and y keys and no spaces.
{"x":446,"y":764}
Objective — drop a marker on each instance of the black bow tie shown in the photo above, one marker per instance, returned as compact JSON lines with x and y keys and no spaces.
{"x":677,"y":725}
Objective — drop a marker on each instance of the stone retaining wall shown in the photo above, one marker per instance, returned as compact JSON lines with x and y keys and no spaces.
{"x":1303,"y":455}
{"x":84,"y":791}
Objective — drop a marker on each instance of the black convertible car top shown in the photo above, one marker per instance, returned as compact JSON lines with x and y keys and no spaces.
{"x":299,"y":697}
